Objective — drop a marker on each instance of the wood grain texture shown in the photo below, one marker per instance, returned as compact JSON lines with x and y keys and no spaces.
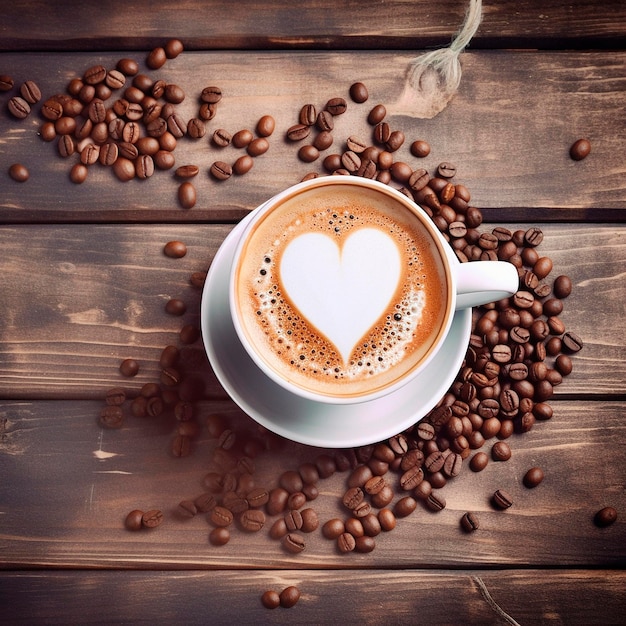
{"x":68,"y":485}
{"x":509,"y":139}
{"x":588,"y":597}
{"x":78,"y":299}
{"x":251,"y":24}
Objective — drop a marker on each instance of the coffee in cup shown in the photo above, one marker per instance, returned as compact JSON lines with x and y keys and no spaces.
{"x":341,"y":290}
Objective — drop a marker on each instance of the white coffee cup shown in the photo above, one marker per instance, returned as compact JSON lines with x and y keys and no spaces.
{"x":342,"y":290}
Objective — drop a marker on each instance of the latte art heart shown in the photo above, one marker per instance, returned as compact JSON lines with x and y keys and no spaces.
{"x":341,"y":290}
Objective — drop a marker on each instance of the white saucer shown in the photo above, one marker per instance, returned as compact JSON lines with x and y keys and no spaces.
{"x":302,"y":420}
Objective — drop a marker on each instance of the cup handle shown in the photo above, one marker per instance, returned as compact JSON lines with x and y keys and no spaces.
{"x":481,"y":282}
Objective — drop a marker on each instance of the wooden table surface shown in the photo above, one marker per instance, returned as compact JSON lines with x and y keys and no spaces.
{"x":85,"y":281}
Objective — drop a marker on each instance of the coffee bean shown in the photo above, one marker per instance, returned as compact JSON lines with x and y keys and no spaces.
{"x":196,"y":128}
{"x":346,"y":542}
{"x":19,"y":172}
{"x":387,"y":519}
{"x":134,"y":520}
{"x":533,"y":237}
{"x":19,"y":108}
{"x":221,"y":171}
{"x":219,"y":536}
{"x":324,"y":121}
{"x":211,"y":95}
{"x":181,"y":446}
{"x":353,"y":497}
{"x":336,"y":106}
{"x":111,"y":417}
{"x":243,"y":165}
{"x":175,"y":249}
{"x":420,"y":149}
{"x":242,"y":138}
{"x":358,"y":92}
{"x":156,"y":58}
{"x":265,"y":126}
{"x":478,"y":462}
{"x":294,"y":543}
{"x":310,"y":521}
{"x":6,"y":82}
{"x":293,"y":520}
{"x":252,"y":520}
{"x":377,"y":114}
{"x":221,"y":138}
{"x":115,"y":396}
{"x":144,"y":166}
{"x":501,"y":499}
{"x":562,"y":286}
{"x":405,"y":506}
{"x":394,"y":141}
{"x":359,"y":476}
{"x":173,"y":47}
{"x":124,"y":169}
{"x":580,"y":149}
{"x":572,"y":342}
{"x":469,"y":522}
{"x":258,"y":146}
{"x":277,"y":501}
{"x":30,"y":92}
{"x":323,"y":141}
{"x":187,"y":195}
{"x":501,"y":451}
{"x":308,"y":153}
{"x":333,"y":528}
{"x":605,"y":517}
{"x":446,"y":170}
{"x":289,"y":597}
{"x":152,"y":518}
{"x":221,"y":516}
{"x":270,"y":599}
{"x":533,"y":477}
{"x":435,"y":502}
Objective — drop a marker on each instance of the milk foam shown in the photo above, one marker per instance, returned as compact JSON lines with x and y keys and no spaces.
{"x":399,"y":334}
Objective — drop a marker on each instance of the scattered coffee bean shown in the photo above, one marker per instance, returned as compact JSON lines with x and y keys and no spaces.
{"x":173,"y":48}
{"x":19,"y":173}
{"x":270,"y":599}
{"x":289,"y":597}
{"x":469,"y":522}
{"x":219,"y":536}
{"x":156,"y":59}
{"x":19,"y":108}
{"x":134,"y":520}
{"x":6,"y":82}
{"x":533,"y":477}
{"x":129,"y":367}
{"x":258,"y":146}
{"x":294,"y":543}
{"x":420,"y":149}
{"x":187,"y":195}
{"x":265,"y":126}
{"x":605,"y":517}
{"x":358,"y":92}
{"x":30,"y":92}
{"x":152,"y":518}
{"x":501,"y":451}
{"x":175,"y":249}
{"x":221,"y":171}
{"x":501,"y":499}
{"x":580,"y":149}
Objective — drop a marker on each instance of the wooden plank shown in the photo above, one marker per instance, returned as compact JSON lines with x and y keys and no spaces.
{"x":320,"y":24}
{"x":68,"y":485}
{"x":79,"y":299}
{"x":509,"y":133}
{"x":573,"y":597}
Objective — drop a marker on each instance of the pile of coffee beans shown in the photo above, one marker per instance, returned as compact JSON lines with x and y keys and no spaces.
{"x":128,"y":121}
